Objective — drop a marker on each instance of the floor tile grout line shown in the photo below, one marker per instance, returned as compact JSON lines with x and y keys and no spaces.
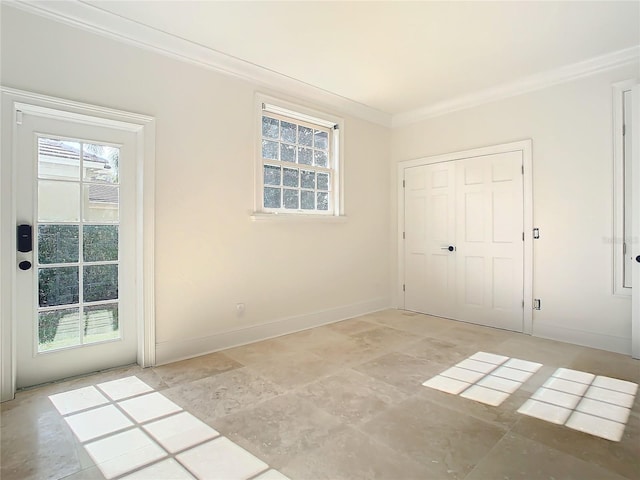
{"x":487,"y":454}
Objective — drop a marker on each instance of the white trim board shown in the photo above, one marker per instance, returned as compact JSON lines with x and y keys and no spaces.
{"x":525,"y":146}
{"x":144,"y":129}
{"x":175,"y":350}
{"x":95,"y":20}
{"x":617,"y":238}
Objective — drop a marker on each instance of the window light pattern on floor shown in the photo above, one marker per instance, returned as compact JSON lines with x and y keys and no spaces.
{"x":592,"y":404}
{"x":129,"y":429}
{"x":484,"y":377}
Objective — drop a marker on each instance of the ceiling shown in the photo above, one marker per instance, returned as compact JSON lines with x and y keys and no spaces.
{"x":394,"y":56}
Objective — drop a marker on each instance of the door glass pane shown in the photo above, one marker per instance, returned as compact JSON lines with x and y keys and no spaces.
{"x":58,"y":286}
{"x":101,"y":323}
{"x":58,"y":201}
{"x":100,"y":163}
{"x":100,"y":203}
{"x":79,"y":183}
{"x":58,"y":159}
{"x":57,"y":243}
{"x":58,"y":329}
{"x":100,"y":283}
{"x":100,"y":243}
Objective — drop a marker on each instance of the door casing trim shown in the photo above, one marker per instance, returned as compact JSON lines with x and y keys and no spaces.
{"x":524,"y":146}
{"x":143,"y":127}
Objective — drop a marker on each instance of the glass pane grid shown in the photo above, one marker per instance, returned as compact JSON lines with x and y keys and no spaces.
{"x":292,"y":142}
{"x":77,"y":244}
{"x":287,"y":189}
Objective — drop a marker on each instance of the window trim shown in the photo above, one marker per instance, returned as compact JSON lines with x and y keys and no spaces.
{"x":279,"y":107}
{"x":617,"y":240}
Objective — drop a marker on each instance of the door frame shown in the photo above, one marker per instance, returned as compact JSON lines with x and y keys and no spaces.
{"x":635,"y":206}
{"x":524,"y":146}
{"x":12,"y":103}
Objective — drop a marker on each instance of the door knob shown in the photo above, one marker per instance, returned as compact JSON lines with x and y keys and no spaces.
{"x":638,"y":259}
{"x":451,"y":248}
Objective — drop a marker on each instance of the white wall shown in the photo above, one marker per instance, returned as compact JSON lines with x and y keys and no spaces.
{"x":571,"y":128}
{"x":209,"y":255}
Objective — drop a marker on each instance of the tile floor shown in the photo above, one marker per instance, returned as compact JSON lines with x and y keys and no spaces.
{"x":344,"y":401}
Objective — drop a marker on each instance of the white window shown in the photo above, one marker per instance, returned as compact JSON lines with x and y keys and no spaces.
{"x":299,"y":162}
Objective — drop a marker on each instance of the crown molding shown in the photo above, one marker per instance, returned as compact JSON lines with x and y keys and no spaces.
{"x":95,"y":20}
{"x":538,"y":81}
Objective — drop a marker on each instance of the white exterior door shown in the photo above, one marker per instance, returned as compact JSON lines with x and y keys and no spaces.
{"x":464,"y":250}
{"x":75,"y":282}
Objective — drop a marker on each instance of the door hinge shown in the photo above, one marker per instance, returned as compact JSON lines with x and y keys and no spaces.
{"x":522,"y":303}
{"x":536,"y":304}
{"x":522,"y":169}
{"x":624,"y":248}
{"x":18,"y":117}
{"x":523,"y":236}
{"x":403,"y":235}
{"x":624,"y":130}
{"x":403,"y":287}
{"x":536,"y":233}
{"x":403,"y":183}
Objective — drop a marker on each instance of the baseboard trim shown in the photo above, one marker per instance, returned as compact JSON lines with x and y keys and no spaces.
{"x":175,"y":350}
{"x":611,"y":343}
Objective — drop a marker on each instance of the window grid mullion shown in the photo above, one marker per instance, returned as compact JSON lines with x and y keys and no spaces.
{"x":330,"y":170}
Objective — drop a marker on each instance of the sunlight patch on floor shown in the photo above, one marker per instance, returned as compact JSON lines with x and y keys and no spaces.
{"x":585,"y":402}
{"x":484,"y":377}
{"x":130,"y":429}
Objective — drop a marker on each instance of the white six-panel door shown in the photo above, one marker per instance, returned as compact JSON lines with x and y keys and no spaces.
{"x":430,"y":269}
{"x":464,"y":249}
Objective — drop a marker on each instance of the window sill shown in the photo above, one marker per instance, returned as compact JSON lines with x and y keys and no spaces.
{"x":260,"y":217}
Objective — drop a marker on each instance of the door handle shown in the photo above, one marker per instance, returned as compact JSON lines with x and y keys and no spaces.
{"x":451,"y":248}
{"x":638,"y":259}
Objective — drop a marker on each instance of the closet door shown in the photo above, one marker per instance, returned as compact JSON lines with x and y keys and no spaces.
{"x":464,"y":249}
